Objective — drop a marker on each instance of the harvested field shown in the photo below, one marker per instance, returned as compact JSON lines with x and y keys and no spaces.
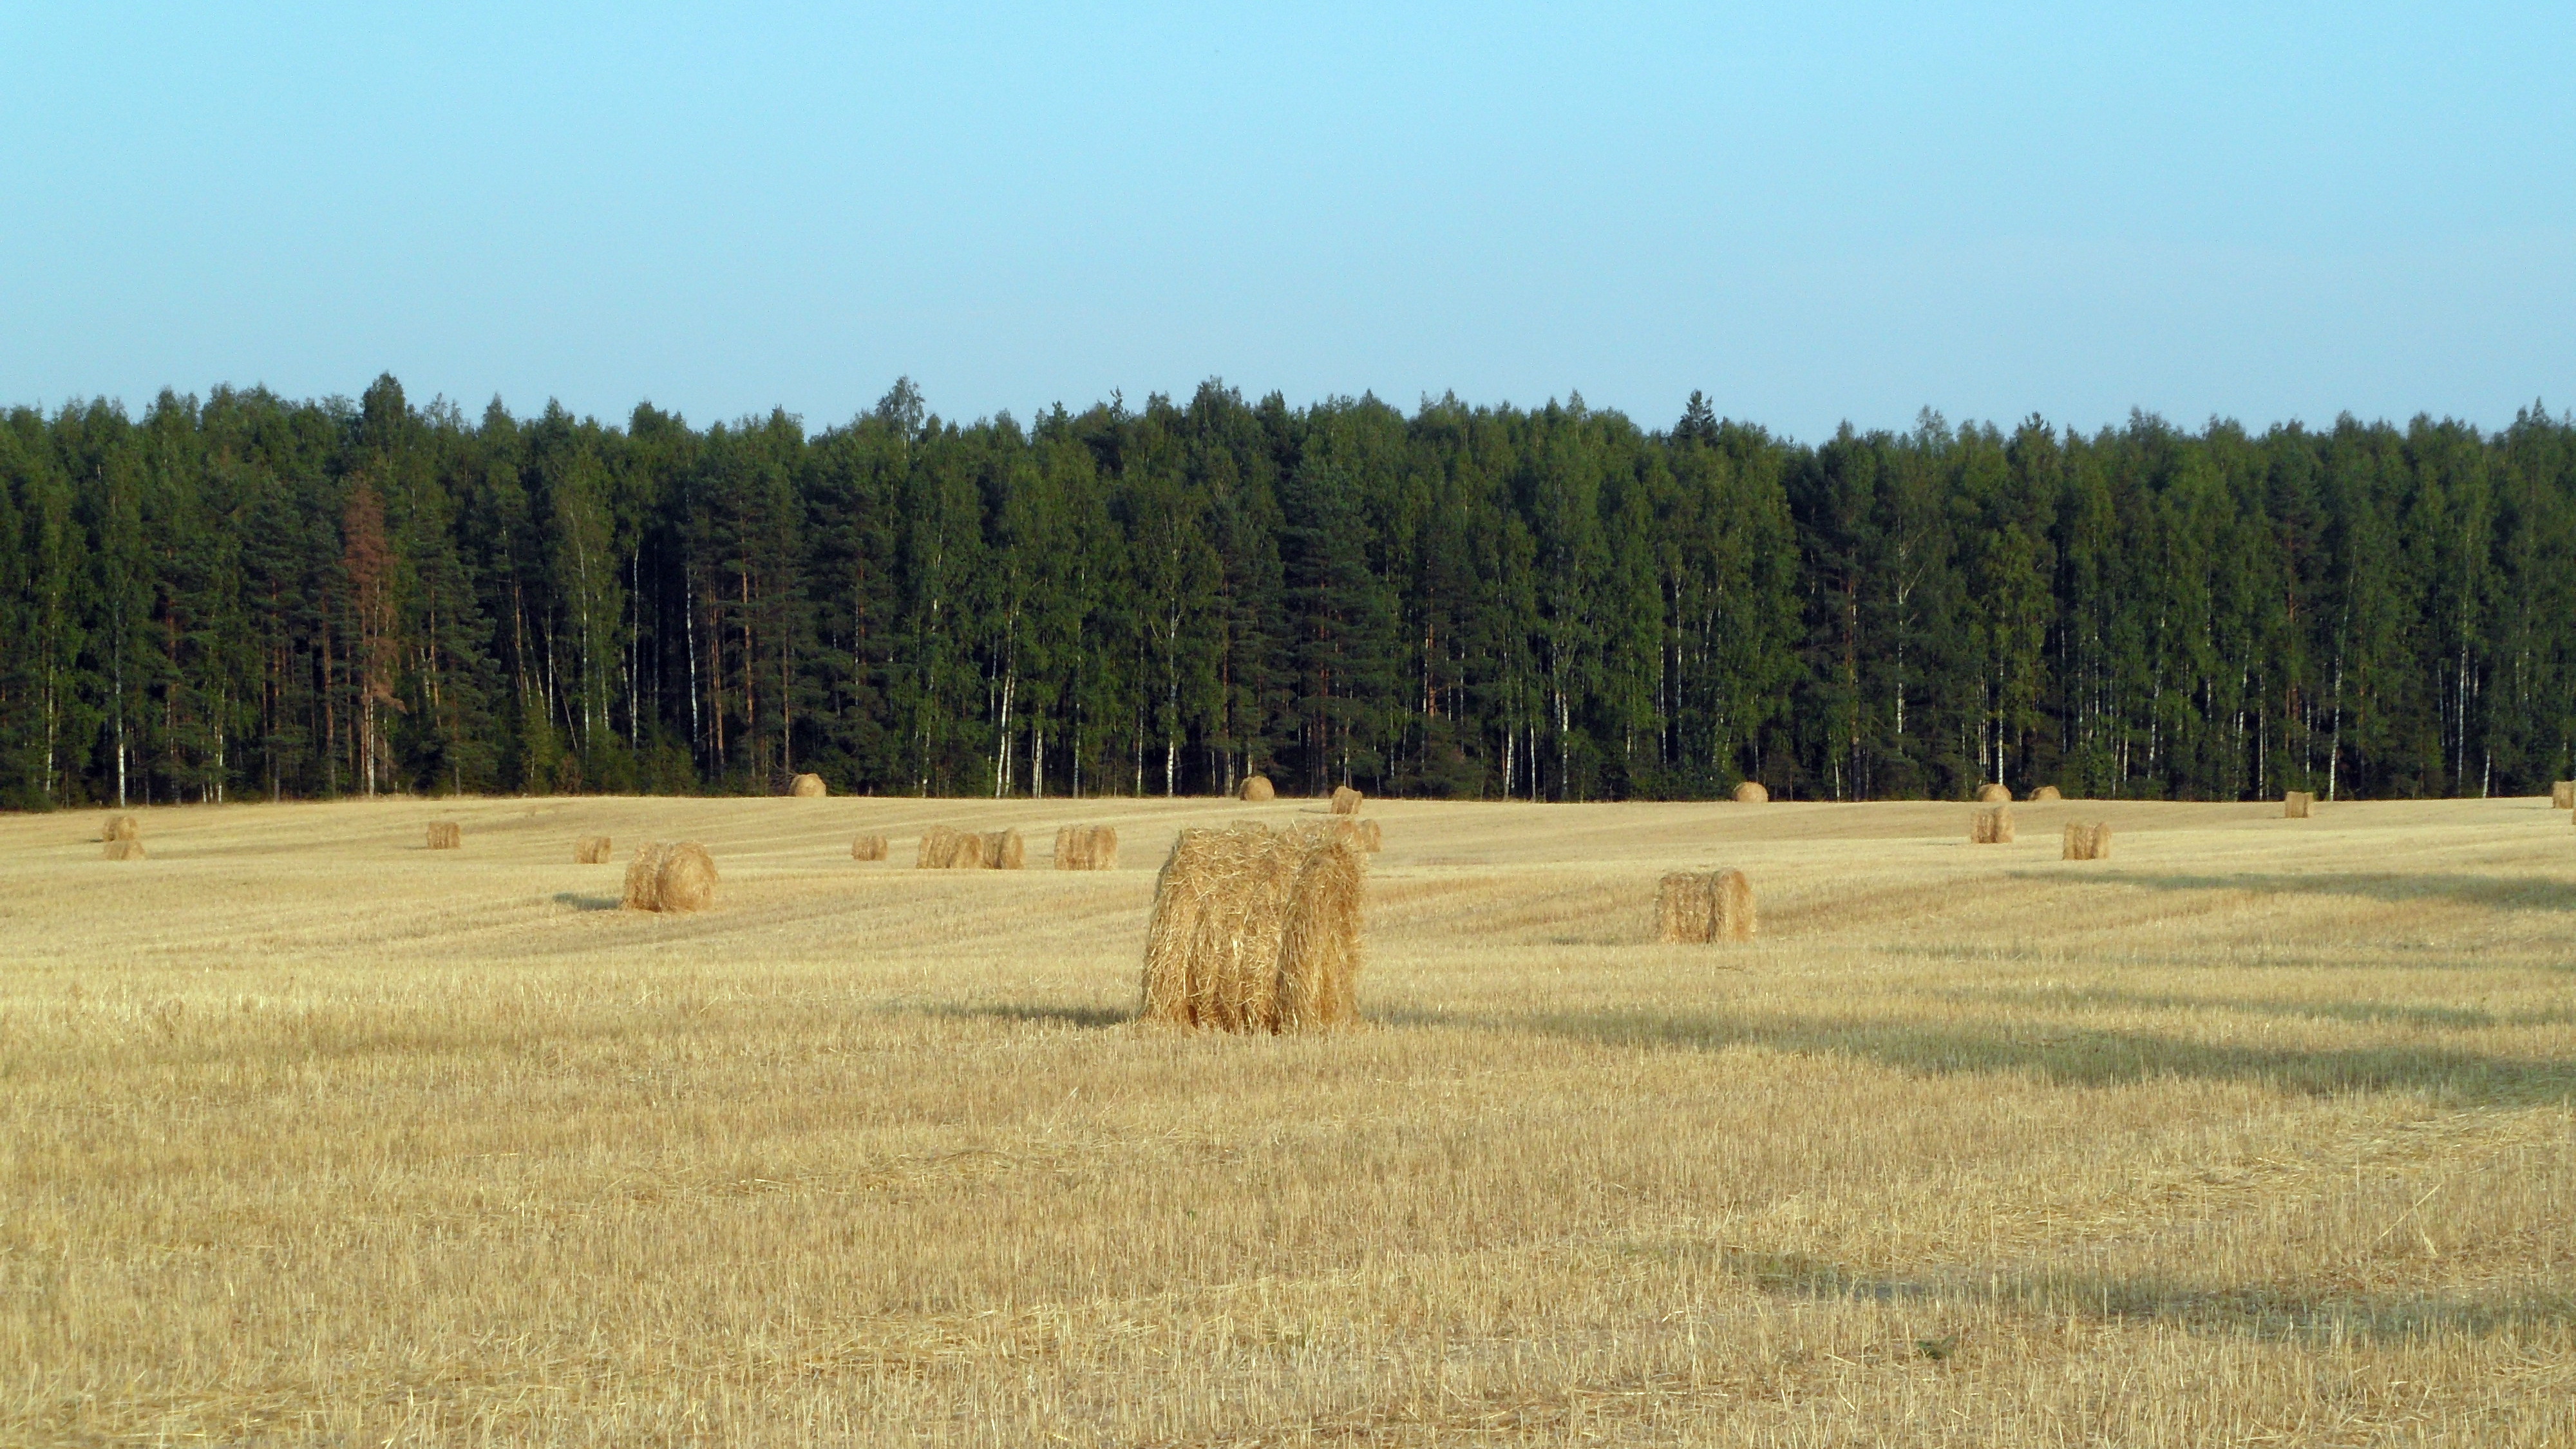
{"x":2249,"y":1134}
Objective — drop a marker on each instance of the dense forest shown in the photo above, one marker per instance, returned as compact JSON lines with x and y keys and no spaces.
{"x":250,"y":597}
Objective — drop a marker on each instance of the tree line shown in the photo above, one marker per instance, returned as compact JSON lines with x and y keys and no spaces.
{"x":250,"y":597}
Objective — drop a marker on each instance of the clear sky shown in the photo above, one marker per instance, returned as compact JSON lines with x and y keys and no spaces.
{"x":1814,"y":212}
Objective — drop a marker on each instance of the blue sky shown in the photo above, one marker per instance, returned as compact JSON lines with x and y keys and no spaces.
{"x":1815,"y":213}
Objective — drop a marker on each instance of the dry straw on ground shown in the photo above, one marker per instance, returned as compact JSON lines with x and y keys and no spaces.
{"x":2562,"y":796}
{"x":2087,"y":842}
{"x":1993,"y":793}
{"x":1255,"y":930}
{"x":670,"y":876}
{"x":2296,"y":804}
{"x":1752,"y":792}
{"x":1257,"y":790}
{"x":593,"y":850}
{"x":1346,"y":801}
{"x":808,"y":787}
{"x":122,"y":850}
{"x":2045,"y":795}
{"x":868,"y":847}
{"x":121,"y":827}
{"x":1086,"y":847}
{"x":446,"y":835}
{"x":1991,"y":826}
{"x":1699,"y":906}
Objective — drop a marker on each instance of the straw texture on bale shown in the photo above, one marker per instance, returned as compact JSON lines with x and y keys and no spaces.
{"x":946,"y":849}
{"x":1086,"y":847}
{"x":1991,"y":826}
{"x":1255,"y":930}
{"x":670,"y":876}
{"x":1004,"y":850}
{"x":1994,"y":794}
{"x":2087,"y":842}
{"x":121,"y":827}
{"x":1692,"y":907}
{"x":1752,"y":792}
{"x":593,"y":850}
{"x":2562,"y":796}
{"x":808,"y":787}
{"x":1346,"y":801}
{"x":1371,"y":840}
{"x":938,"y":848}
{"x":868,"y":847}
{"x":2045,"y":795}
{"x":2296,"y":804}
{"x":1257,"y":789}
{"x":128,"y":849}
{"x":446,"y":835}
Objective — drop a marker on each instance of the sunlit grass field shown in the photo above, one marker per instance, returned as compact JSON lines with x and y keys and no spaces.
{"x":2261,"y":1131}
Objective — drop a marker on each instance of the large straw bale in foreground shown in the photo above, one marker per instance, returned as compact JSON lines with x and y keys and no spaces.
{"x":1991,"y":826}
{"x":1086,"y":847}
{"x":593,"y":850}
{"x":808,"y":787}
{"x":868,"y":847}
{"x":2562,"y":796}
{"x":1257,"y":789}
{"x":1993,"y":793}
{"x":1255,"y":930}
{"x":1346,"y":801}
{"x":2087,"y":842}
{"x":446,"y":835}
{"x":2296,"y":804}
{"x":2045,"y":795}
{"x":121,"y":827}
{"x":122,"y":850}
{"x":1752,"y":792}
{"x":1699,"y":906}
{"x":670,"y":876}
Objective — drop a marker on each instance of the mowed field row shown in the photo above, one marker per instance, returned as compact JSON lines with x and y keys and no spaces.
{"x":2259,"y":1129}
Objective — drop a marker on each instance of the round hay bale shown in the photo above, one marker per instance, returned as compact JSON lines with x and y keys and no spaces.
{"x":121,"y":827}
{"x":593,"y":850}
{"x":1370,"y":839}
{"x":808,"y":787}
{"x":2562,"y":796}
{"x":1346,"y":801}
{"x":1751,"y":792}
{"x":2045,"y":795}
{"x":938,"y":849}
{"x":1004,"y":850}
{"x":868,"y":847}
{"x":1257,"y":789}
{"x":446,"y":835}
{"x":686,"y":880}
{"x":122,"y":850}
{"x":1994,"y":794}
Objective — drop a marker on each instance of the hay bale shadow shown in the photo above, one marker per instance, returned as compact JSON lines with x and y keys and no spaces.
{"x":1088,"y":1017}
{"x":581,"y":902}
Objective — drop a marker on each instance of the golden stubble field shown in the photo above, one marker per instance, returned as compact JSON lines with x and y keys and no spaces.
{"x":2259,"y":1131}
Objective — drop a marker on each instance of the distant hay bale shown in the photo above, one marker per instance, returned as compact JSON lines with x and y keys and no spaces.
{"x":2087,"y":842}
{"x":593,"y":850}
{"x":945,"y":849}
{"x":968,"y":852}
{"x":2296,"y":804}
{"x":1692,"y":907}
{"x":868,"y":847}
{"x":670,"y":876}
{"x":808,"y":787}
{"x":128,"y":849}
{"x":1991,"y":826}
{"x":2562,"y":796}
{"x":1004,"y":850}
{"x":1994,"y":794}
{"x":938,"y":849}
{"x":1751,"y":792}
{"x":1370,"y":838}
{"x":1346,"y":801}
{"x":2045,"y":795}
{"x":1086,"y":847}
{"x":446,"y":835}
{"x":1257,"y":789}
{"x":1255,"y":930}
{"x":121,"y":827}
{"x":1360,"y":834}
